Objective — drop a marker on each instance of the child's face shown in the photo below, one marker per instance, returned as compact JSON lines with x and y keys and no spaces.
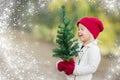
{"x":84,"y":34}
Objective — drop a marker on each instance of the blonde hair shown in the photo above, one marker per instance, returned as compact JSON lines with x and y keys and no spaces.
{"x":92,"y":38}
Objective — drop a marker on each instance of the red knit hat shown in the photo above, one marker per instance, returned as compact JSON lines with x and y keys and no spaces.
{"x":94,"y":25}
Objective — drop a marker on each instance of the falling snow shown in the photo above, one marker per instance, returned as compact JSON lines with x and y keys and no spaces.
{"x":15,"y":63}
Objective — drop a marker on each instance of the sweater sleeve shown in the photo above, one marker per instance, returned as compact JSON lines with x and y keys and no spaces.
{"x":92,"y":64}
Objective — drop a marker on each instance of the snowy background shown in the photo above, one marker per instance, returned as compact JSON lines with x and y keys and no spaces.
{"x":27,"y":37}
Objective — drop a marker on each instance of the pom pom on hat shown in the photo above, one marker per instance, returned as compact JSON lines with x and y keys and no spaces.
{"x":94,"y":25}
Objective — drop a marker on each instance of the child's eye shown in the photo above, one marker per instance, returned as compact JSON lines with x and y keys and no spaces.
{"x":82,"y":29}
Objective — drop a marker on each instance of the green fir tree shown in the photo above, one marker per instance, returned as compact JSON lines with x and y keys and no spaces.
{"x":68,"y":46}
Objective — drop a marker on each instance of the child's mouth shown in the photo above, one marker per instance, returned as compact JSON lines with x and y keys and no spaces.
{"x":80,"y":35}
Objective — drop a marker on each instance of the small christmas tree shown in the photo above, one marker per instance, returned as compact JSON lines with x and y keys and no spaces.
{"x":68,"y":47}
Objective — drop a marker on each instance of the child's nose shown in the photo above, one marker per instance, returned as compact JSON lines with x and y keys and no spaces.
{"x":79,"y":32}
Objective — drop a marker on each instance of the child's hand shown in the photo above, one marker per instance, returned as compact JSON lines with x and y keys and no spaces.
{"x":69,"y":67}
{"x":60,"y":66}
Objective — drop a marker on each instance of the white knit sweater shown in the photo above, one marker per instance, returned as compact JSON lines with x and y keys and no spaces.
{"x":86,"y":63}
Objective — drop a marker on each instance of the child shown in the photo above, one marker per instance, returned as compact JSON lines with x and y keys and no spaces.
{"x":86,"y":63}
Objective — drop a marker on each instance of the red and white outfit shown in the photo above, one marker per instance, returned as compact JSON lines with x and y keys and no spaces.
{"x":88,"y":59}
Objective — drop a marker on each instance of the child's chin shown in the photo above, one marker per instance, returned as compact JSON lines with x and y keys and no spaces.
{"x":81,"y":39}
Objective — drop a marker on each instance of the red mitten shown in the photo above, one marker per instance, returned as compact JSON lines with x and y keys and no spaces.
{"x":60,"y":66}
{"x":69,"y":67}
